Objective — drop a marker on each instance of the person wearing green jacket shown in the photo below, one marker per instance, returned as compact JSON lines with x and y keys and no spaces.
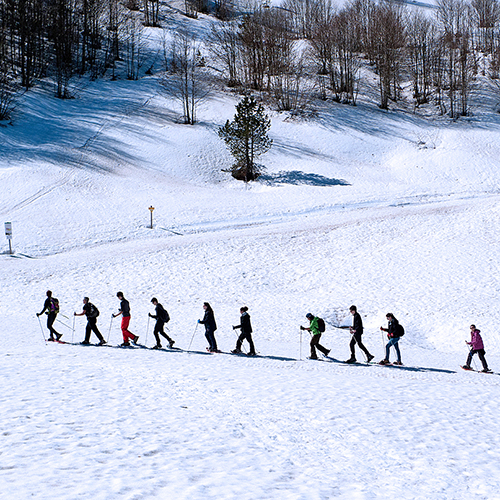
{"x":315,"y":331}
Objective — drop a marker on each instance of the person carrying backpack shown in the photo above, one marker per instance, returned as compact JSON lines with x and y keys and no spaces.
{"x":161,"y":318}
{"x":51,"y":307}
{"x":356,"y":332}
{"x":477,"y":346}
{"x":125,"y":312}
{"x":246,"y":332}
{"x":91,"y":311}
{"x":394,"y":332}
{"x":316,"y":328}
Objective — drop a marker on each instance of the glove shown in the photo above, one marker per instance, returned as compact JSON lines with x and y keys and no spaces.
{"x":38,"y":315}
{"x":199,"y":321}
{"x":149,"y":314}
{"x":234,"y":328}
{"x":301,"y":327}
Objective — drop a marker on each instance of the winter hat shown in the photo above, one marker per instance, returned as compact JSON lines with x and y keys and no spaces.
{"x":309,"y":315}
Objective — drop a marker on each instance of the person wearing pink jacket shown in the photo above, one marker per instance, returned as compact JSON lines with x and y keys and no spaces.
{"x":477,"y":346}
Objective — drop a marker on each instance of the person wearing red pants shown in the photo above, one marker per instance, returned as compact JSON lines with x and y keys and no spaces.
{"x":125,"y":312}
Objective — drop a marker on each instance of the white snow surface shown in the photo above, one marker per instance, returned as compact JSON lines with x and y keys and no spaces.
{"x":412,"y":229}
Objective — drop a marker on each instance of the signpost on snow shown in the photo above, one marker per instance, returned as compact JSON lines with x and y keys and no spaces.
{"x":151,"y":208}
{"x":8,"y":235}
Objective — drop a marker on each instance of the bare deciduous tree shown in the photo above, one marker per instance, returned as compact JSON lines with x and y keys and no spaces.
{"x":188,"y":79}
{"x":225,"y":45}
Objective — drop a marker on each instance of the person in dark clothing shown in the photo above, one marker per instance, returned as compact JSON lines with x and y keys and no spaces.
{"x":246,"y":332}
{"x":161,"y":318}
{"x":91,"y":311}
{"x":316,"y":336}
{"x":357,"y":331}
{"x":125,"y":312}
{"x":393,"y":334}
{"x":210,"y":327}
{"x":51,"y":307}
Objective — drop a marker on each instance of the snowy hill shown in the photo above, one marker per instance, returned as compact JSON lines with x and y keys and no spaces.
{"x":386,"y":210}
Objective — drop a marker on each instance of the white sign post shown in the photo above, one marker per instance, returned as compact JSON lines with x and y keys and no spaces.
{"x":8,"y":234}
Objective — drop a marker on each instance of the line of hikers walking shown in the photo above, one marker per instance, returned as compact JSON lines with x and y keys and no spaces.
{"x":316,"y":327}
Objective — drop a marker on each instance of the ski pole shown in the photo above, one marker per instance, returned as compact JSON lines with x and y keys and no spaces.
{"x":237,"y":336}
{"x":300,"y":348}
{"x":73,"y":334}
{"x":147,"y":331}
{"x":472,"y":357}
{"x":41,"y":328}
{"x":64,"y":324}
{"x":195,"y":328}
{"x":110,"y":324}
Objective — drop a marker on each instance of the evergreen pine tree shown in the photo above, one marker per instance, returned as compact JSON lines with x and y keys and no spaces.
{"x":246,"y":138}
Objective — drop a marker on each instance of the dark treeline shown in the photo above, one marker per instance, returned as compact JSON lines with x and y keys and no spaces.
{"x":301,"y":50}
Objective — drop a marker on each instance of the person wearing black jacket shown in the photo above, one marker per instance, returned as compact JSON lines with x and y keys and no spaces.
{"x":91,"y":312}
{"x":161,"y":318}
{"x":357,"y":331}
{"x":125,"y":312}
{"x":246,"y":332}
{"x":393,"y":334}
{"x":51,"y":305}
{"x":210,"y":327}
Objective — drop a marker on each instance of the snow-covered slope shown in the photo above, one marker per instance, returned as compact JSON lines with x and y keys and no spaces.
{"x":384,"y":210}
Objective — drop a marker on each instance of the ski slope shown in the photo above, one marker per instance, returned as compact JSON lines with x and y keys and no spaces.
{"x":384,"y":210}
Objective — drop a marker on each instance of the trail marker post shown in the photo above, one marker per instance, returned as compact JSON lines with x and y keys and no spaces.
{"x":151,"y":209}
{"x":8,"y":235}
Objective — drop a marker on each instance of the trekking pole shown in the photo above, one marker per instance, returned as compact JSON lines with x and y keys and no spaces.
{"x":73,"y":334}
{"x":300,"y":348}
{"x":472,"y":357}
{"x":64,"y":324}
{"x":195,"y":328}
{"x":63,"y":315}
{"x":110,"y":324}
{"x":147,"y":331}
{"x":242,"y":347}
{"x":41,"y":329}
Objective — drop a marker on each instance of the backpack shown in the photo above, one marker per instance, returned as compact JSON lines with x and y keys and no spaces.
{"x":93,"y":311}
{"x":400,"y":331}
{"x":321,"y":325}
{"x":54,"y":305}
{"x":166,"y":317}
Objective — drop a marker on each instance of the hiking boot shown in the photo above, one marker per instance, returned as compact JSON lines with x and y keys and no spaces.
{"x":369,"y":357}
{"x":313,"y":357}
{"x":351,"y":360}
{"x":466,"y":367}
{"x":125,"y":344}
{"x":58,"y":336}
{"x":236,"y":351}
{"x":50,"y":339}
{"x":486,"y":370}
{"x":85,"y":343}
{"x":136,"y":338}
{"x":158,"y":346}
{"x":397,"y":363}
{"x":252,"y":354}
{"x":384,"y":362}
{"x":327,"y":352}
{"x":171,"y":343}
{"x":102,"y":342}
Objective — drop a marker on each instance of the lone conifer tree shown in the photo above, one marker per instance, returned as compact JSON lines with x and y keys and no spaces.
{"x":246,"y":138}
